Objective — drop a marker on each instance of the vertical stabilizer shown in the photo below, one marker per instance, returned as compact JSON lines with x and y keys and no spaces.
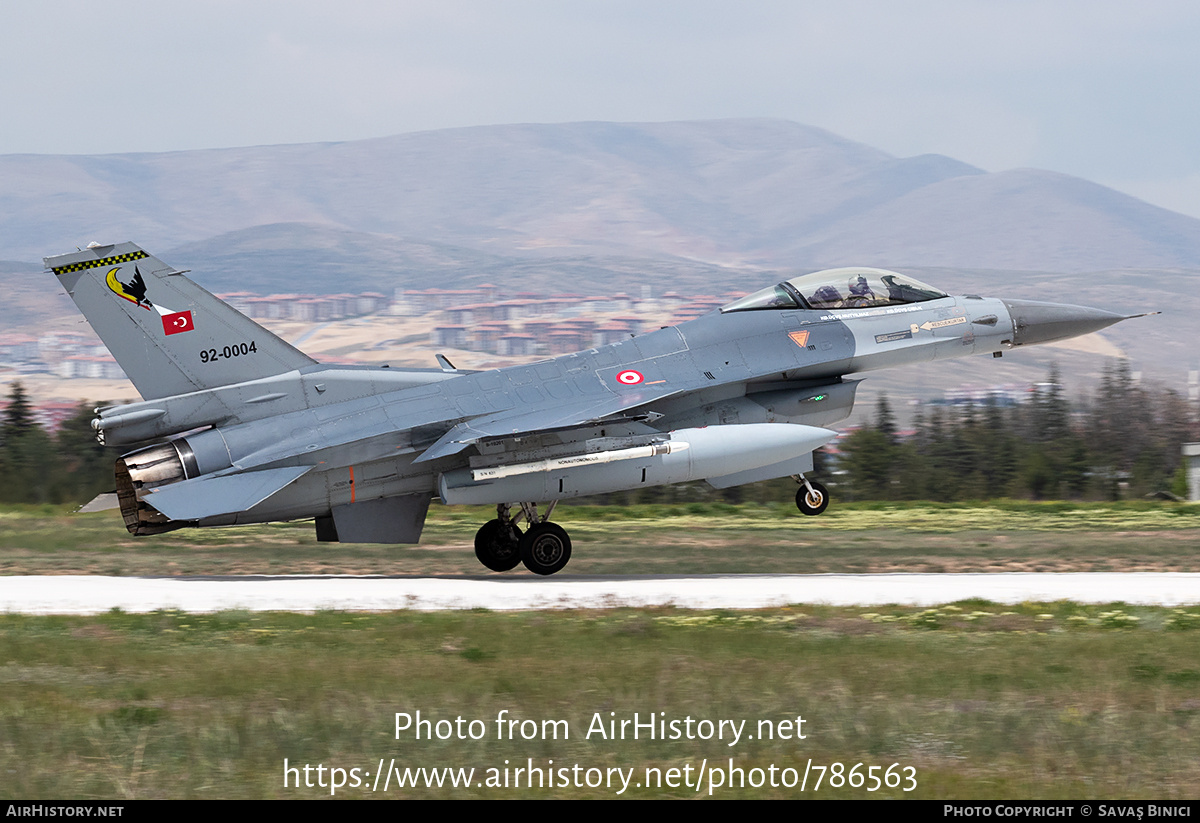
{"x":168,"y":334}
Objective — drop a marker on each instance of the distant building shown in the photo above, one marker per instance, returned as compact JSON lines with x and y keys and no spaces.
{"x":18,"y":348}
{"x":89,"y":366}
{"x":1191,"y":459}
{"x":696,"y":307}
{"x":51,"y":415}
{"x":517,"y":345}
{"x":449,"y":337}
{"x":527,"y":323}
{"x":416,"y":303}
{"x":1001,"y":396}
{"x":307,"y":308}
{"x":487,"y":336}
{"x":566,"y":341}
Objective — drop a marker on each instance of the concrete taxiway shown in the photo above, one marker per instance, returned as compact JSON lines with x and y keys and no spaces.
{"x":92,"y":594}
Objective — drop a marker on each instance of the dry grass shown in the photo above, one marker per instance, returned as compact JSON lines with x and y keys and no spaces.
{"x":688,"y":538}
{"x":983,"y":701}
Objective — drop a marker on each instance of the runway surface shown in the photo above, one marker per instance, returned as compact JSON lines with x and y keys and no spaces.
{"x":92,"y":595}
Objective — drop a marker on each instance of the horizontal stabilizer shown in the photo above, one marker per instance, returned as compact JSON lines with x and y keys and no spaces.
{"x":211,"y":496}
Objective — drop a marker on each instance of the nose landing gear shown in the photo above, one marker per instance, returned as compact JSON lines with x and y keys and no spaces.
{"x":812,"y":498}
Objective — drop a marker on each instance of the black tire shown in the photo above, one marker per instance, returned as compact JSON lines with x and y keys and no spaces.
{"x":545,"y":548}
{"x":498,"y":547}
{"x":814,"y":502}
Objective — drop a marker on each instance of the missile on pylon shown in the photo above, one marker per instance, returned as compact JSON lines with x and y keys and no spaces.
{"x":714,"y":452}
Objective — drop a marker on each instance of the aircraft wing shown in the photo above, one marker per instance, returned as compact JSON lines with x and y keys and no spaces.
{"x":516,"y":423}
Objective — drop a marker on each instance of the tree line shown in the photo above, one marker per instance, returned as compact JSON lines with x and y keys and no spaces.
{"x":68,"y":466}
{"x":1122,"y":441}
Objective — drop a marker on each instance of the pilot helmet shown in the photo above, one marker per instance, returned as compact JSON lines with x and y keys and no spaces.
{"x":859,"y":285}
{"x":827,"y":295}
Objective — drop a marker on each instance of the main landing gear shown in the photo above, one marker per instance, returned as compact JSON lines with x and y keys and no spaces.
{"x":811,"y":498}
{"x":544,"y":548}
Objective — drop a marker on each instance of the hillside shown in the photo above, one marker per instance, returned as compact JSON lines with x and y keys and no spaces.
{"x":744,"y":193}
{"x":694,"y":208}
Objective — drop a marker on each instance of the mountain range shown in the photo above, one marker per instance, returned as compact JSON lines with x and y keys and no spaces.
{"x":692,"y":207}
{"x":684,"y":204}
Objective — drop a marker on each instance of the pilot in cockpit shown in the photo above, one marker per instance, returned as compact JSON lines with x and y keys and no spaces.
{"x":826,"y":297}
{"x":860,"y":293}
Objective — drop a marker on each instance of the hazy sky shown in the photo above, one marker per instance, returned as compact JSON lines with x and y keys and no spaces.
{"x":1103,"y":90}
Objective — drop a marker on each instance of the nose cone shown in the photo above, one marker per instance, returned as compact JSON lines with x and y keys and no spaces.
{"x":1036,"y":322}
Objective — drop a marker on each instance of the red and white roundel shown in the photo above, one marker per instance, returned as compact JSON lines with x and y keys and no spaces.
{"x":629,"y":377}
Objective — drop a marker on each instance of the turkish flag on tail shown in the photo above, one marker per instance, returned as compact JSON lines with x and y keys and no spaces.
{"x":178,"y":322}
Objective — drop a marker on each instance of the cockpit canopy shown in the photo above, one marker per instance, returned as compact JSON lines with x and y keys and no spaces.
{"x":849,"y":288}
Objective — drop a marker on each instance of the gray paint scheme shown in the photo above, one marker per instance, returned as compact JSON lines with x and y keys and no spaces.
{"x":363,"y":449}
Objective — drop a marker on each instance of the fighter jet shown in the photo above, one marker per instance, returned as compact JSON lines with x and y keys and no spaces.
{"x":244,"y":428}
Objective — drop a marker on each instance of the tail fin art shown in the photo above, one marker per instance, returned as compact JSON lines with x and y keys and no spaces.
{"x":168,"y":334}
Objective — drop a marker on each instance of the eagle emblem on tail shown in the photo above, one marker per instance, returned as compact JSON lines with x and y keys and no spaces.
{"x":134,"y":291}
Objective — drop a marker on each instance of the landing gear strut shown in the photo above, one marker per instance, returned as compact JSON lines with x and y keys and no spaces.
{"x":544,"y":549}
{"x":497,"y":543}
{"x":811,"y":498}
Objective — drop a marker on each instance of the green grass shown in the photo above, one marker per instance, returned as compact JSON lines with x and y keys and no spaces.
{"x":698,"y":538}
{"x":983,"y":701}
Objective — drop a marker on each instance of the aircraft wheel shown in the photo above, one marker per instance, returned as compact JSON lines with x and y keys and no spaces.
{"x":498,"y":547}
{"x":545,"y":548}
{"x":812,"y":502}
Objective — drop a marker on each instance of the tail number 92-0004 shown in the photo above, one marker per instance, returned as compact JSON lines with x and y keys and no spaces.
{"x":234,"y":350}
